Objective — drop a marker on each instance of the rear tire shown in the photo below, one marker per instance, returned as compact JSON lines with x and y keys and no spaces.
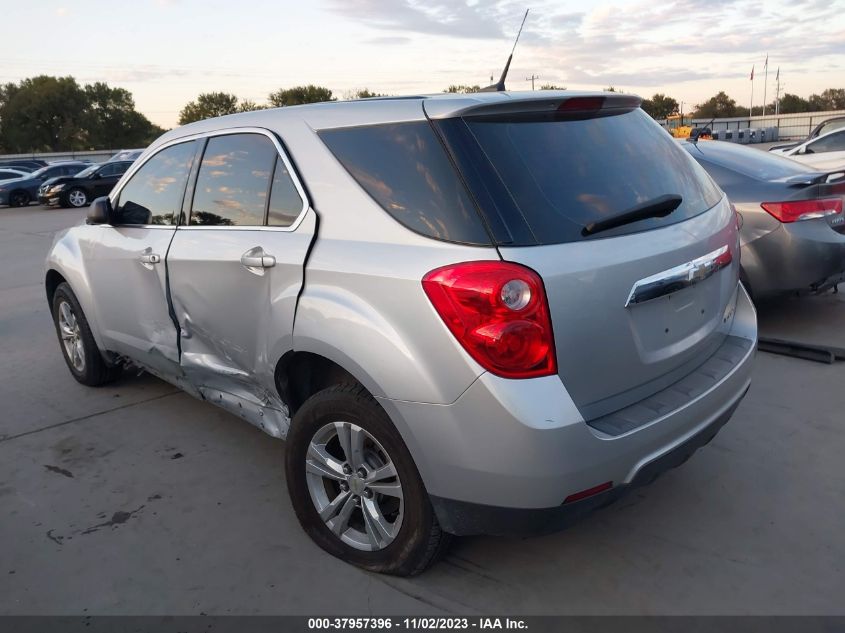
{"x":412,"y":539}
{"x":19,"y":199}
{"x":79,"y":349}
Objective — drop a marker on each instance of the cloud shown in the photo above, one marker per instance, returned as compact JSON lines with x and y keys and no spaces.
{"x":435,"y":17}
{"x":388,"y":40}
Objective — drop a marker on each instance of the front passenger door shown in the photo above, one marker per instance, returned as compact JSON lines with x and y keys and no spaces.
{"x":127,"y":268}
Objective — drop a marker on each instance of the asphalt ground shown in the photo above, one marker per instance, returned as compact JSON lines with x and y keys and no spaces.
{"x":137,"y":499}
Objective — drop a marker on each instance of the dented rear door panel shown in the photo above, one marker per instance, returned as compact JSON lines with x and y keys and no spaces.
{"x":232,"y":317}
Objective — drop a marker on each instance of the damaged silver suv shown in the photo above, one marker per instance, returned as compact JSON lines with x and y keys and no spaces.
{"x":466,"y":314}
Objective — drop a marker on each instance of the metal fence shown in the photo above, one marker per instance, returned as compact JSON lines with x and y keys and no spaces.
{"x":97,"y":156}
{"x":790,"y":126}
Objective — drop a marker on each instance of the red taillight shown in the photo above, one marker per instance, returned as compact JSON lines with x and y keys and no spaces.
{"x":794,"y":210}
{"x":499,"y":313}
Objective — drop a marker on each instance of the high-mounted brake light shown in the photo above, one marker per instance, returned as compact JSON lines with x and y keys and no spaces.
{"x":580,"y":104}
{"x":499,"y":314}
{"x":795,"y":210}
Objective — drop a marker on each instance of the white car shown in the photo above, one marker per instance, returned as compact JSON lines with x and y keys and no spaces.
{"x":824,"y":153}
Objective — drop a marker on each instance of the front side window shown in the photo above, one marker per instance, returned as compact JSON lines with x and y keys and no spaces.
{"x":832,"y":143}
{"x":233,"y":181}
{"x":154,"y":193}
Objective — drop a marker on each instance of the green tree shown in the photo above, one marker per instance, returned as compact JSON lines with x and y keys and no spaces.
{"x":112,"y":120}
{"x":44,"y":114}
{"x":463,"y":89}
{"x":611,"y":89}
{"x":248,"y":105}
{"x":720,"y":105}
{"x":552,"y":87}
{"x":208,"y":105}
{"x":299,"y":95}
{"x":791,"y":104}
{"x":361,"y":93}
{"x":834,"y":98}
{"x":660,"y":106}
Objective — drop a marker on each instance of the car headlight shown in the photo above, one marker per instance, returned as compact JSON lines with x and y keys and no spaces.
{"x":57,"y":188}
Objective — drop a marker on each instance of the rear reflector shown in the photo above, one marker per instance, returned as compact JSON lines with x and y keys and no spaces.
{"x":795,"y":210}
{"x":589,"y":492}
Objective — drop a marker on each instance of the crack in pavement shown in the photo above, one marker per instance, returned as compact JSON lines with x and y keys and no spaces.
{"x":86,"y":417}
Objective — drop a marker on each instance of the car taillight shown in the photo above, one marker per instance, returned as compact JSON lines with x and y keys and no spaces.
{"x":499,"y":314}
{"x":795,"y":210}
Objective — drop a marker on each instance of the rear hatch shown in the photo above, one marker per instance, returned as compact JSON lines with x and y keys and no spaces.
{"x":636,"y":305}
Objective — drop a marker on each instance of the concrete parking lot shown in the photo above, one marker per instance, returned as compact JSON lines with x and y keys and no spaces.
{"x":138,"y":499}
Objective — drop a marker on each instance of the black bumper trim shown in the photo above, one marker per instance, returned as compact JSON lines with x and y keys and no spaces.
{"x":464,"y":518}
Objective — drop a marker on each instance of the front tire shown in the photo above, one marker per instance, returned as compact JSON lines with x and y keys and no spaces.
{"x":354,"y":485}
{"x":77,"y":198}
{"x":79,"y":349}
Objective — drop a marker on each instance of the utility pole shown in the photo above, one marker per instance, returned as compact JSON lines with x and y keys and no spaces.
{"x":531,"y":79}
{"x":777,"y":95}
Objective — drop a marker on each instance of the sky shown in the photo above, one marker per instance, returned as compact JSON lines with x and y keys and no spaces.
{"x":166,"y":52}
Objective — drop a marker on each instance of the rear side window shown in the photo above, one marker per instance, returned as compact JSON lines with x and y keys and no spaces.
{"x":560,"y":176}
{"x":233,"y":181}
{"x":285,"y":201}
{"x":404,"y":167}
{"x":154,"y":193}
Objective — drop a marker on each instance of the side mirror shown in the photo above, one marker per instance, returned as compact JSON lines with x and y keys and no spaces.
{"x":100,"y":211}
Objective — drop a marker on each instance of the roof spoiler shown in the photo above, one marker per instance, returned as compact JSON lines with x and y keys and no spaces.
{"x":558,"y":106}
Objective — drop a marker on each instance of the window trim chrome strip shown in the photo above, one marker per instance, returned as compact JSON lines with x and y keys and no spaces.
{"x":115,"y":193}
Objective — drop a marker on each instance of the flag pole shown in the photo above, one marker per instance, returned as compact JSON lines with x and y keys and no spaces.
{"x":751,"y":105}
{"x":765,"y":82}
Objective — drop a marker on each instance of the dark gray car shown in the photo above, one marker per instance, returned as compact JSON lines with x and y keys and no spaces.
{"x":793,"y":227}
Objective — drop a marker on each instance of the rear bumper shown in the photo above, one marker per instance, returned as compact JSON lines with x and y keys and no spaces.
{"x":505,"y":455}
{"x":796,"y":256}
{"x":461,"y":517}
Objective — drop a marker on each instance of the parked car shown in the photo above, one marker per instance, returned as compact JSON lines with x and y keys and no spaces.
{"x":829,"y":125}
{"x":825,"y":153}
{"x":126,"y":154}
{"x":25,"y":164}
{"x":21,"y":191}
{"x":79,"y":190}
{"x":486,"y":313}
{"x":793,"y":226}
{"x":7,"y":173}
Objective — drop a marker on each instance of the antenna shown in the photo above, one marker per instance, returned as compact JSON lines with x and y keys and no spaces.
{"x":500,"y":85}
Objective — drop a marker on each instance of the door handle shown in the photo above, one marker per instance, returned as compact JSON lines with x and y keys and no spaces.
{"x":257,"y":258}
{"x":150,"y":258}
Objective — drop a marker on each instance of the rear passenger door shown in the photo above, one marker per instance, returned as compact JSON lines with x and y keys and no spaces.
{"x":236,"y":267}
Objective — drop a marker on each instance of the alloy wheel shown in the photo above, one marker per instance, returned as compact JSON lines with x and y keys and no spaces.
{"x":77,"y":198}
{"x":71,"y":336}
{"x":354,"y":486}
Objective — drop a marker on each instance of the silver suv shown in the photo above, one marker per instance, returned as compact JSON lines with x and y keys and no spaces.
{"x":467,"y":314}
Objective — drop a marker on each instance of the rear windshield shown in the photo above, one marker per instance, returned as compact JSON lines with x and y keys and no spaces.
{"x":747,"y":161}
{"x":405,"y":168}
{"x":560,"y":176}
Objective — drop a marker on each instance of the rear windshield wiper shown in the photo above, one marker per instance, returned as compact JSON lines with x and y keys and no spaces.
{"x":658,"y":207}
